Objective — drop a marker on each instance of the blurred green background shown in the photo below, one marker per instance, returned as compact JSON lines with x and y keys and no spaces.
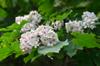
{"x":51,"y":10}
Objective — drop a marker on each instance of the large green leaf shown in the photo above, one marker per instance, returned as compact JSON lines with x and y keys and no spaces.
{"x":4,"y":53}
{"x":54,"y":49}
{"x":85,"y":40}
{"x":7,"y":38}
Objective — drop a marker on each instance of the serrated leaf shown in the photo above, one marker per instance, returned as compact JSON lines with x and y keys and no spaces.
{"x":54,"y":49}
{"x":85,"y":40}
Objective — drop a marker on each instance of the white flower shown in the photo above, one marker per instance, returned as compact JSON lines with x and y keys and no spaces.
{"x":28,"y":27}
{"x":89,"y":15}
{"x":26,"y":17}
{"x":34,"y":19}
{"x":57,"y":25}
{"x":89,"y":19}
{"x":29,"y":40}
{"x":68,"y":27}
{"x":33,"y":16}
{"x":42,"y":30}
{"x":43,"y":35}
{"x":18,"y":19}
{"x":73,"y":26}
{"x":47,"y":36}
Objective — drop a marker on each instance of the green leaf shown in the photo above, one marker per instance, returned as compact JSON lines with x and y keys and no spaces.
{"x":3,"y":14}
{"x":8,"y":3}
{"x":3,"y":3}
{"x":63,"y":15}
{"x":13,"y":27}
{"x":17,"y":26}
{"x":15,"y":46}
{"x":8,"y":37}
{"x":54,"y":49}
{"x":32,"y":56}
{"x":28,"y":58}
{"x":45,"y":7}
{"x":4,"y":53}
{"x":71,"y":49}
{"x":85,"y":40}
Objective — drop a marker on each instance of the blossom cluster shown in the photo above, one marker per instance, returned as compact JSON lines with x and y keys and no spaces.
{"x":35,"y":35}
{"x":27,"y":41}
{"x":43,"y":35}
{"x":88,"y":21}
{"x":73,"y":26}
{"x":33,"y":18}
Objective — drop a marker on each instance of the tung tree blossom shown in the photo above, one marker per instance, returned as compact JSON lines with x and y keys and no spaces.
{"x":35,"y":36}
{"x":47,"y":36}
{"x":43,"y":35}
{"x":28,"y":40}
{"x":73,"y":26}
{"x":88,"y":21}
{"x":33,"y":18}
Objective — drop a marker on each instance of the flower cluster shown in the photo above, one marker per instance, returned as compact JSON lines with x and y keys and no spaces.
{"x":34,"y":35}
{"x":33,"y":16}
{"x":88,"y":21}
{"x":34,"y":19}
{"x":27,"y":41}
{"x":43,"y":35}
{"x":19,"y":19}
{"x":73,"y":26}
{"x":47,"y":36}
